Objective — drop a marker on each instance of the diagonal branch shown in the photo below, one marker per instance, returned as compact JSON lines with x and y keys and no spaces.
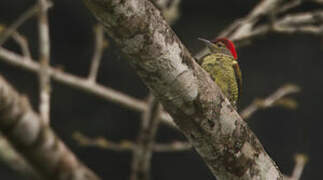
{"x":202,"y":113}
{"x":242,"y":27}
{"x":288,"y":23}
{"x":81,"y":84}
{"x":15,"y":161}
{"x":23,"y":43}
{"x":269,"y":101}
{"x":20,"y":20}
{"x":36,"y":141}
{"x":123,"y":99}
{"x":254,"y":24}
{"x":74,"y":81}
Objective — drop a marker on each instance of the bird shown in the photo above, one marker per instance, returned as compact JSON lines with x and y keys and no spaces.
{"x":222,"y":65}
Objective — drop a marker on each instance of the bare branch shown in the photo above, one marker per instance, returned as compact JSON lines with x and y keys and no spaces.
{"x":101,"y":142}
{"x":101,"y":91}
{"x":20,"y":20}
{"x":289,"y":5}
{"x":172,"y":147}
{"x":317,"y":1}
{"x":300,"y":162}
{"x":269,"y":101}
{"x":74,"y":81}
{"x":44,"y":55}
{"x":196,"y":103}
{"x":82,"y":84}
{"x":15,"y":161}
{"x":23,"y":43}
{"x":241,"y":28}
{"x":98,"y":51}
{"x":125,"y":145}
{"x":307,"y":23}
{"x":177,"y":101}
{"x":247,"y":28}
{"x":140,"y":168}
{"x":35,"y":140}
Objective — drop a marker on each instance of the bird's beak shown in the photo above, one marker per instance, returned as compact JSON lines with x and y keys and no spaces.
{"x":207,"y":42}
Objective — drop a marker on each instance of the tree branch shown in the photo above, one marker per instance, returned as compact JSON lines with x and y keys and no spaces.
{"x":200,"y":110}
{"x":269,"y":101}
{"x":20,"y":20}
{"x":300,"y":162}
{"x":239,"y":28}
{"x":44,"y":55}
{"x":82,"y":84}
{"x":23,"y":43}
{"x":15,"y":161}
{"x":245,"y":29}
{"x":36,"y":141}
{"x":74,"y":81}
{"x":125,"y":145}
{"x":123,"y":99}
{"x":98,"y":51}
{"x":140,"y":168}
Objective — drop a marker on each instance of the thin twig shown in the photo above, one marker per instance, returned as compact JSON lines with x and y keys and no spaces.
{"x":307,"y":23}
{"x":140,"y":167}
{"x":44,"y":55}
{"x":269,"y":101}
{"x":249,"y":27}
{"x":98,"y":51}
{"x":241,"y":27}
{"x":74,"y":81}
{"x":82,"y":84}
{"x":300,"y":162}
{"x":126,"y":145}
{"x":317,"y":1}
{"x":173,"y":147}
{"x":23,"y":43}
{"x":20,"y":20}
{"x":103,"y":143}
{"x":289,"y":5}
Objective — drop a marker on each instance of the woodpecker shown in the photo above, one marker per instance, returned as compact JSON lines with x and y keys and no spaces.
{"x":222,"y":65}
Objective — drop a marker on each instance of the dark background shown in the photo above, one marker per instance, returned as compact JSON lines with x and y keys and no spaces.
{"x":268,"y":63}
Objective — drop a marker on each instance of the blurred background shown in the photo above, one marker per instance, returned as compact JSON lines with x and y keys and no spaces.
{"x":267,"y":63}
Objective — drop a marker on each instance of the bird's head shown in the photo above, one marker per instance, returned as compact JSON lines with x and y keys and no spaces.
{"x":221,"y":45}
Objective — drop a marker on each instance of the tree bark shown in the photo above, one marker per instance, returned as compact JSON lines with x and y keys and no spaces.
{"x":203,"y":114}
{"x":36,"y":141}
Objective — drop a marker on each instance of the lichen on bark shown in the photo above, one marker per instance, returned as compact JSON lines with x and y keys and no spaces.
{"x":195,"y":102}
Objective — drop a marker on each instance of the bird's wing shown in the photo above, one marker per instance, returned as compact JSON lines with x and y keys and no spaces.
{"x":238,"y":78}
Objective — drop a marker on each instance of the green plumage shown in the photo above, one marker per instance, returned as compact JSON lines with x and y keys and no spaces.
{"x":220,"y":67}
{"x":224,"y":70}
